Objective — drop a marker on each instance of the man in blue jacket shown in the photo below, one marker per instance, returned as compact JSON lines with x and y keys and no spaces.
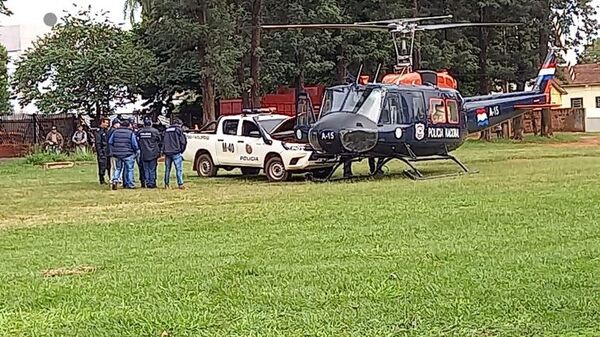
{"x":124,"y":148}
{"x":174,"y":144}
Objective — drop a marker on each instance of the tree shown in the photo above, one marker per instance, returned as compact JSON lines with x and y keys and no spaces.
{"x":3,"y":9}
{"x":86,"y":64}
{"x":591,"y":54}
{"x":196,"y":48}
{"x":5,"y":106}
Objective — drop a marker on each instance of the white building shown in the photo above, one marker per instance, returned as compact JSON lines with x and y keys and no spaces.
{"x":16,"y":39}
{"x":584,"y":92}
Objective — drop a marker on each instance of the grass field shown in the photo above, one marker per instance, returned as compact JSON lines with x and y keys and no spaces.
{"x":512,"y":251}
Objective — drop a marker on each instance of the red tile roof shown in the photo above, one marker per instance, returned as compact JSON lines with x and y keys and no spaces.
{"x":584,"y":74}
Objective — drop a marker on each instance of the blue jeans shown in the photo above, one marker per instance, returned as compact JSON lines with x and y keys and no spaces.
{"x":126,"y":165}
{"x":150,"y":172}
{"x":176,"y":159}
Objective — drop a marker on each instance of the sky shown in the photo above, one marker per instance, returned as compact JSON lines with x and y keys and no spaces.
{"x":31,"y":12}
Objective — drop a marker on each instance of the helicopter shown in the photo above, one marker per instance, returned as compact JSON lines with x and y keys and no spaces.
{"x":412,"y":116}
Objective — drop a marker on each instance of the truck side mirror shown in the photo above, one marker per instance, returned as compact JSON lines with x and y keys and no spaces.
{"x":254,"y":134}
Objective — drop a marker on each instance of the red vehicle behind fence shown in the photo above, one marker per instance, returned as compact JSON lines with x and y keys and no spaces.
{"x":283,"y":101}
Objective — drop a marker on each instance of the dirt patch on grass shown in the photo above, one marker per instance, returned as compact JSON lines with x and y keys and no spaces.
{"x":585,"y":141}
{"x":58,"y":272}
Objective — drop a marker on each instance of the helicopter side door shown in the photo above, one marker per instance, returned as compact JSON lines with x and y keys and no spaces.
{"x":409,"y":116}
{"x":391,"y":118}
{"x":305,"y":116}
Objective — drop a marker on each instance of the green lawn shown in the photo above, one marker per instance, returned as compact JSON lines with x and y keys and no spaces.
{"x":512,"y":251}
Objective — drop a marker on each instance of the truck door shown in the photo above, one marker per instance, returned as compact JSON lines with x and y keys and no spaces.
{"x":227,"y":141}
{"x":251,"y":147}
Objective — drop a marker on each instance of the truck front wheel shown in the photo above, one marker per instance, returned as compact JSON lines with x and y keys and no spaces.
{"x":205,"y":166}
{"x":275,"y":170}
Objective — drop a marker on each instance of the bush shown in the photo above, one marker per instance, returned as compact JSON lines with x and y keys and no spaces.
{"x":40,"y":157}
{"x":82,"y":156}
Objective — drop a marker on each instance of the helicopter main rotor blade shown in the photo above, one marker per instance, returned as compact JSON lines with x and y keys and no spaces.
{"x":461,"y":25}
{"x":405,"y":20}
{"x":328,"y":26}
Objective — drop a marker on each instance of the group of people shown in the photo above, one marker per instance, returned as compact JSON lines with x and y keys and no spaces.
{"x":121,"y":144}
{"x":55,"y":140}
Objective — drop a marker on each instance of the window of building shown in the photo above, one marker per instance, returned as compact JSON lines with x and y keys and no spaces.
{"x":230,"y":127}
{"x":437,"y":111}
{"x":598,"y":102}
{"x":576,"y":103}
{"x":452,"y":107}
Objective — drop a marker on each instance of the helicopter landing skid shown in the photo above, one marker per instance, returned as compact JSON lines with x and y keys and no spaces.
{"x":412,"y":173}
{"x":415,"y":174}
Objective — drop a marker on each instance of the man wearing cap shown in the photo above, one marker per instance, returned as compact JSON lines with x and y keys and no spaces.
{"x":124,"y":147}
{"x":174,"y":145}
{"x":149,"y":141}
{"x":102,"y":152}
{"x":54,"y":139}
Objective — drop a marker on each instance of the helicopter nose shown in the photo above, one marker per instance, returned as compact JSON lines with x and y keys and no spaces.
{"x":340,"y":133}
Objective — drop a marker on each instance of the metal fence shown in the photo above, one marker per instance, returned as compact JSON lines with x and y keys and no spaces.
{"x":18,"y":133}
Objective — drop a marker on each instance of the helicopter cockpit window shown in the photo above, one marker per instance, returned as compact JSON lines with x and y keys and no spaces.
{"x":437,"y":111}
{"x":452,"y":111}
{"x":418,"y":105}
{"x":359,"y":100}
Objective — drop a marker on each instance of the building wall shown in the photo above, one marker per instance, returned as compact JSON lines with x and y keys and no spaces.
{"x":17,"y":39}
{"x":589,"y":94}
{"x":555,"y":96}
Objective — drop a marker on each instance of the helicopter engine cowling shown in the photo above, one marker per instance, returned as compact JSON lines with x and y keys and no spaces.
{"x":343,"y":133}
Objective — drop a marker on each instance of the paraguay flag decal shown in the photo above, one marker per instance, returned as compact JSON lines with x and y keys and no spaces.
{"x":482,"y":117}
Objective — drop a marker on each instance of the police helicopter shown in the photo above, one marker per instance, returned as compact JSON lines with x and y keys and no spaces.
{"x":411,"y":116}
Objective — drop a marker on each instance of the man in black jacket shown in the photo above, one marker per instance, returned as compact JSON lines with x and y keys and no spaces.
{"x":149,"y":141}
{"x":102,"y":152}
{"x":174,"y":144}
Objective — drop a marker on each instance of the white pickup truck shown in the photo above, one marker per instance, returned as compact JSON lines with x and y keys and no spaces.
{"x":253,"y":142}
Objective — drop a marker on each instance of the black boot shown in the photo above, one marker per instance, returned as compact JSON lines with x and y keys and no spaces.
{"x":348,"y":169}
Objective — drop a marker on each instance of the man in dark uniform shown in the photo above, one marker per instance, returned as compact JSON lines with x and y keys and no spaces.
{"x":174,"y":144}
{"x":102,"y":152}
{"x":149,"y":141}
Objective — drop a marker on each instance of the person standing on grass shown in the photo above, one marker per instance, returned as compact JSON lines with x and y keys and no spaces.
{"x":174,"y":145}
{"x":102,"y":153}
{"x":134,"y":126}
{"x":115,"y":124}
{"x":124,"y":147}
{"x":80,"y":140}
{"x":149,"y":141}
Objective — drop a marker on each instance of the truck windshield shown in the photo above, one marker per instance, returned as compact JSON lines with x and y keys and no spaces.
{"x":359,"y":100}
{"x":270,"y":124}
